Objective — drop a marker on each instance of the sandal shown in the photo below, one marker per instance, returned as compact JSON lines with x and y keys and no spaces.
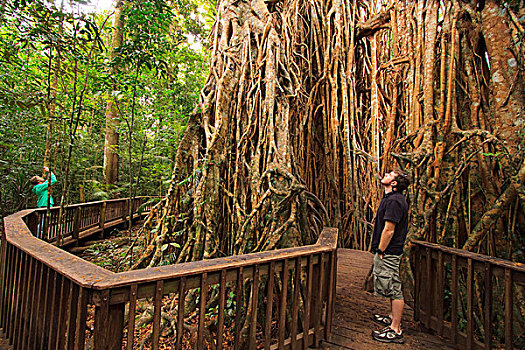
{"x":388,"y":335}
{"x":382,"y":320}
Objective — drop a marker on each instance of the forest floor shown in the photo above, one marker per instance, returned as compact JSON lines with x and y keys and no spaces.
{"x":354,"y":307}
{"x":113,"y":253}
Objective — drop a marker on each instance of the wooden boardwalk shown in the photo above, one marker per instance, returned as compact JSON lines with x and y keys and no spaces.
{"x":24,"y":261}
{"x":352,"y":321}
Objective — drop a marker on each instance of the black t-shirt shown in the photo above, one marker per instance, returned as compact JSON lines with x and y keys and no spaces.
{"x":393,"y":208}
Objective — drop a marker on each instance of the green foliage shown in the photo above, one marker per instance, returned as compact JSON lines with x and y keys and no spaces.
{"x":103,"y":254}
{"x":157,"y":66}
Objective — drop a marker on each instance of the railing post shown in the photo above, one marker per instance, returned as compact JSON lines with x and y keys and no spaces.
{"x":454,"y":303}
{"x":239,"y":297}
{"x":428,"y":290}
{"x":255,"y":298}
{"x":488,"y":306}
{"x":470,"y":304}
{"x":102,"y":219}
{"x":508,"y":309}
{"x":125,"y":209}
{"x":76,"y":224}
{"x":332,"y":275}
{"x":4,"y":263}
{"x":131,"y":207}
{"x":32,"y":223}
{"x":116,"y":325}
{"x":307,"y":308}
{"x":109,"y":322}
{"x":417,"y":282}
{"x":318,"y":308}
{"x":440,"y":293}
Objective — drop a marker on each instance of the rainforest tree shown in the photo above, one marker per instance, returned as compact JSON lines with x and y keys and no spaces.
{"x":308,"y":103}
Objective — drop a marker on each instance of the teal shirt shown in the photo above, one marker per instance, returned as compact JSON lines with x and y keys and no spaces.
{"x":41,"y":191}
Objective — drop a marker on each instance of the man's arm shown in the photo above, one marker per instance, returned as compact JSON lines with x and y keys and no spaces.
{"x":53,"y":178}
{"x":386,"y":235}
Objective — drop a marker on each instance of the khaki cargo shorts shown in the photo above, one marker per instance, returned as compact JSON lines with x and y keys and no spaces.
{"x":386,"y":276}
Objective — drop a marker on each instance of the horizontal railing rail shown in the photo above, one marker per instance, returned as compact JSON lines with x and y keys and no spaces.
{"x":52,"y":299}
{"x":451,"y":284}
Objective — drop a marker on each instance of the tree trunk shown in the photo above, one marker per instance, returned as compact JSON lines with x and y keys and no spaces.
{"x":52,"y":93}
{"x":111,"y":142}
{"x":507,"y":97}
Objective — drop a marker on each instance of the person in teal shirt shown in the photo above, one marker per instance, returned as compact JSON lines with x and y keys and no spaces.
{"x":41,"y":186}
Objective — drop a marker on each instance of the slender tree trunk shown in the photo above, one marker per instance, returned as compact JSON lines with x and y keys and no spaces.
{"x":111,"y":142}
{"x":131,"y":125}
{"x":74,"y":120}
{"x":51,"y":108}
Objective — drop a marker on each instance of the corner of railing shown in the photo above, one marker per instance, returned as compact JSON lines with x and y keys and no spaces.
{"x":328,"y":237}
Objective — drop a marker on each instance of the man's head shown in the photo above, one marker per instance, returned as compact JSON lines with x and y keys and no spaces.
{"x":36,"y":180}
{"x":397,"y":180}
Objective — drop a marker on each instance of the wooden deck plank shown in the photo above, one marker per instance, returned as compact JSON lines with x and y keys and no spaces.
{"x":4,"y":343}
{"x":352,"y":323}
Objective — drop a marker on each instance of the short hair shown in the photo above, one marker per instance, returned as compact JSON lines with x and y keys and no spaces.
{"x":402,"y":179}
{"x":35,"y":180}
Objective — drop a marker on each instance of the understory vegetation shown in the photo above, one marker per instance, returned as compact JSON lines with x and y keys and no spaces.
{"x":60,"y":71}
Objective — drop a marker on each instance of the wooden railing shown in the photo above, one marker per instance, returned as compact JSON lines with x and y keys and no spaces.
{"x":81,"y":220}
{"x":453,"y":286}
{"x":52,"y":299}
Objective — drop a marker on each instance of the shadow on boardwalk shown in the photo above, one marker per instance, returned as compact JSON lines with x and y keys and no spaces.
{"x":352,"y":323}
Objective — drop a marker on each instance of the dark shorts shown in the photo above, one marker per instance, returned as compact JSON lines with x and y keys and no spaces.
{"x":386,"y":276}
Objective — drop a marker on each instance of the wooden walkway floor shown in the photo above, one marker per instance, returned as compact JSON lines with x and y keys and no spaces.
{"x":4,"y":344}
{"x":352,"y":322}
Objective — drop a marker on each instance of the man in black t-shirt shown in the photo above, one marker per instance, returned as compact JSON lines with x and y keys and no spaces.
{"x":390,"y":231}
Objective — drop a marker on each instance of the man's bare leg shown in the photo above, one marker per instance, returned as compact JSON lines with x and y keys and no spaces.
{"x":397,"y":313}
